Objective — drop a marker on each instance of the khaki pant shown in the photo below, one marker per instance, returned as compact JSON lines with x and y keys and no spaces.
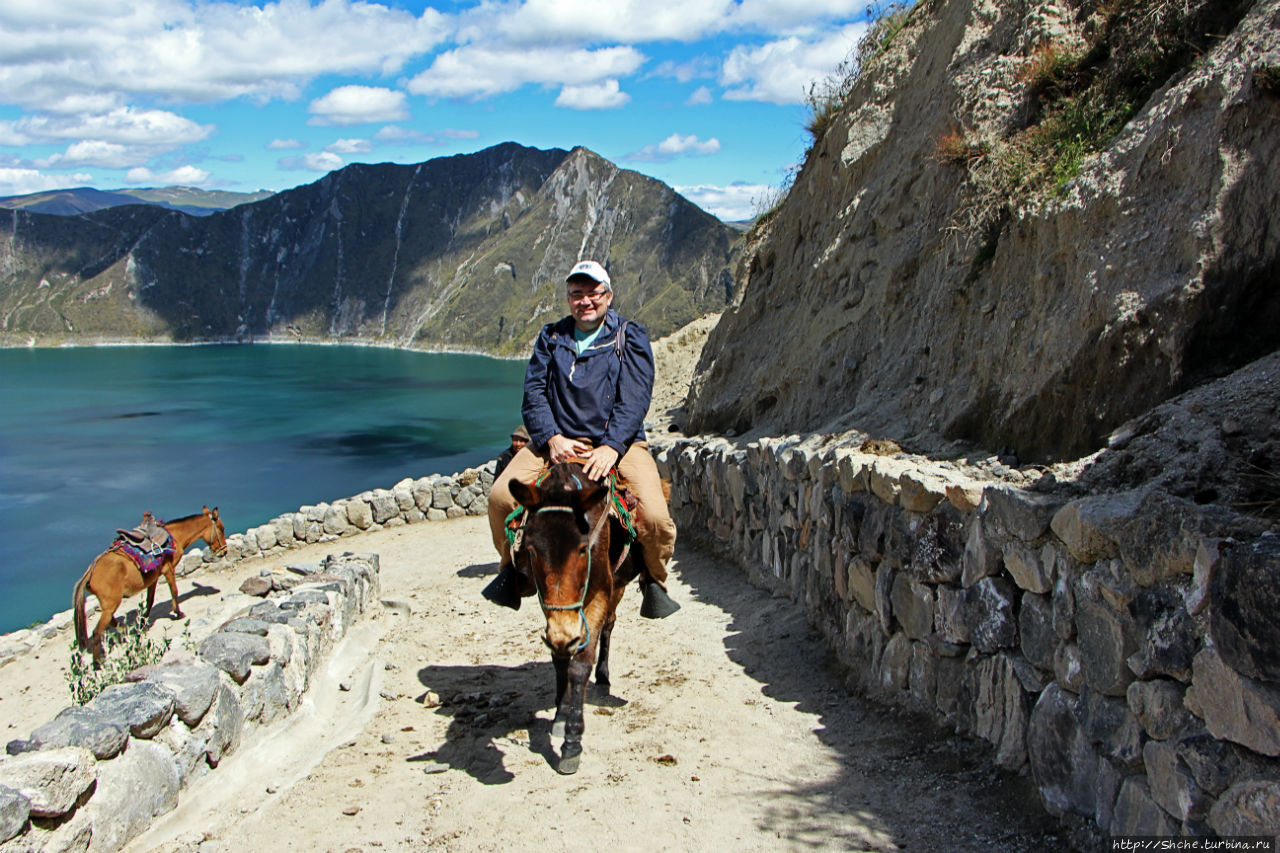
{"x":654,"y":528}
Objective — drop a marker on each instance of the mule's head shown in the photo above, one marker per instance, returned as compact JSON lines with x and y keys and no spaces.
{"x":217,"y":535}
{"x":565,"y":550}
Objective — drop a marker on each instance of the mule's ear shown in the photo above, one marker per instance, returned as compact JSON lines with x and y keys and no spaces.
{"x":526,"y":493}
{"x":214,"y":514}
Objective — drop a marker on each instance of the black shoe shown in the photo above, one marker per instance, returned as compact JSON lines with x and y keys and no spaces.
{"x":504,"y":589}
{"x":657,"y":604}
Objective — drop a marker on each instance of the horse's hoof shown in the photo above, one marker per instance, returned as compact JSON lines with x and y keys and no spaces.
{"x":568,"y":765}
{"x":557,"y":729}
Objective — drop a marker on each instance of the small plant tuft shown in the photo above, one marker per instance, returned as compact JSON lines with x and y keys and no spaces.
{"x":126,"y":648}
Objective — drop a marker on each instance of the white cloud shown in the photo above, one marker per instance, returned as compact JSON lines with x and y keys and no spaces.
{"x":17,"y":181}
{"x":186,"y":176}
{"x":593,"y":96}
{"x":199,"y":50}
{"x":627,"y":21}
{"x":733,"y":203}
{"x":126,"y":126}
{"x":93,"y":152}
{"x":319,"y":161}
{"x":347,"y":105}
{"x":285,"y":144}
{"x":783,"y":15}
{"x":479,"y":72}
{"x":675,"y":145}
{"x":350,"y":146}
{"x":396,"y":135}
{"x":700,"y":97}
{"x":781,"y":71}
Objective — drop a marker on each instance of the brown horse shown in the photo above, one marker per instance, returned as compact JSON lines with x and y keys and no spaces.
{"x":112,"y":576}
{"x":575,"y":555}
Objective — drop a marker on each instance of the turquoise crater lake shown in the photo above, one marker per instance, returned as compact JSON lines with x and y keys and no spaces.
{"x":90,"y":437}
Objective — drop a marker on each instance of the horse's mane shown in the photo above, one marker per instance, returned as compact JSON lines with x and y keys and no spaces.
{"x":184,"y":518}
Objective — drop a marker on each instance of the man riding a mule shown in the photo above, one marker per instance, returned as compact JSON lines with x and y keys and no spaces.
{"x":586,"y":393}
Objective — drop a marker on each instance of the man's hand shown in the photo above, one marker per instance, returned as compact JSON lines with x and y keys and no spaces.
{"x":560,"y":448}
{"x":600,"y":461}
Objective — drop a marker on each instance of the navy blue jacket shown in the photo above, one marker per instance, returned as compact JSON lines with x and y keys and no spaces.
{"x":596,"y":395}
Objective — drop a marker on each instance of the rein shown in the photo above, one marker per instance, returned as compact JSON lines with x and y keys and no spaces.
{"x":580,"y":606}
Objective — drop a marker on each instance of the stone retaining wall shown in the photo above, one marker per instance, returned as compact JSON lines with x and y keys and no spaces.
{"x":95,"y":776}
{"x":1120,"y":647}
{"x":433,"y":498}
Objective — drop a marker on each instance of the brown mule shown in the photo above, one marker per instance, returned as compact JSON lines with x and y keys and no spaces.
{"x":575,"y":554}
{"x":112,"y":576}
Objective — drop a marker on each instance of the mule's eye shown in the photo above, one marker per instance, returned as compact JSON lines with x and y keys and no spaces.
{"x":582,"y":550}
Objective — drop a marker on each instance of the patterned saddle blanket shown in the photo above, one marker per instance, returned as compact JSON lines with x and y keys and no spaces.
{"x":148,"y":545}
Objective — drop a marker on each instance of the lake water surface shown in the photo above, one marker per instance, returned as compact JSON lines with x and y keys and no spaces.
{"x":91,"y":437}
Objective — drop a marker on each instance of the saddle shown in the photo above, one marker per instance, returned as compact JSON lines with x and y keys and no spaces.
{"x":622,"y":506}
{"x":149,"y":537}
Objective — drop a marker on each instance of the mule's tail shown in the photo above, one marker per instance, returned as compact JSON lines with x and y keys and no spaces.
{"x":77,"y":606}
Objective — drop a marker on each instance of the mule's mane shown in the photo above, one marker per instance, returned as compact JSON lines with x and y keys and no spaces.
{"x":191,"y":517}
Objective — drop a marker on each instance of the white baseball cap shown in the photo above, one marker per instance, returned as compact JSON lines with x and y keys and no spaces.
{"x":591,"y":270}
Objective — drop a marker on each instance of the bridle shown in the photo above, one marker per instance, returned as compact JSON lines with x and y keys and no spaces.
{"x":580,"y":605}
{"x":215,"y":534}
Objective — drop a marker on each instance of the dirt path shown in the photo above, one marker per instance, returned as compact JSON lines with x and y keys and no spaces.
{"x":729,"y":727}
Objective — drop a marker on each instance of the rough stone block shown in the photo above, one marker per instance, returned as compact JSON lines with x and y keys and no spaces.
{"x":923,"y":681}
{"x":222,"y":724}
{"x":1086,"y":526}
{"x":83,"y":727}
{"x":1233,"y":707}
{"x":1035,"y":628}
{"x":895,"y":665}
{"x":1136,"y":813}
{"x":1105,"y":640}
{"x":1249,"y":807}
{"x":139,"y":785}
{"x":1170,"y":636}
{"x":1171,"y":783}
{"x":884,"y":604}
{"x":938,"y":550}
{"x":1245,"y":597}
{"x":1158,"y":706}
{"x":52,"y":780}
{"x":912,"y":606}
{"x":989,"y":607}
{"x":862,"y":583}
{"x":1001,"y":709}
{"x":982,"y":556}
{"x":1068,"y":667}
{"x":193,"y":688}
{"x":144,"y":707}
{"x":1112,"y":727}
{"x":234,"y":653}
{"x":1063,"y":763}
{"x":15,"y":808}
{"x":950,"y":617}
{"x":1025,"y":515}
{"x":1028,"y":566}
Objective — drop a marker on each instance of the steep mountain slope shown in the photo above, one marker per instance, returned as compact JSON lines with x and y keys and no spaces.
{"x":1027,"y":224}
{"x":466,"y":252}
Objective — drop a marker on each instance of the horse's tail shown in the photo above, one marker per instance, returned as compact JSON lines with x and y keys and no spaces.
{"x":77,"y":606}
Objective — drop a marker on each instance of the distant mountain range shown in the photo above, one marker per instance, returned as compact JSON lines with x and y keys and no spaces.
{"x":70,"y":202}
{"x":466,"y":252}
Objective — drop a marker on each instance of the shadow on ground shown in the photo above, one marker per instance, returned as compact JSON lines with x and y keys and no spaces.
{"x":924,"y":787}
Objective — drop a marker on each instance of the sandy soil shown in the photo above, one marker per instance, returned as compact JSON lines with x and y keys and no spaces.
{"x":429,"y":729}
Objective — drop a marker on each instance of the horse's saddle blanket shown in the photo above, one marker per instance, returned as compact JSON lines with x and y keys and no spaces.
{"x":148,"y":545}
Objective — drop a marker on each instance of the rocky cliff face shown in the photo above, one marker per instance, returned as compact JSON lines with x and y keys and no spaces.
{"x":957,"y":261}
{"x":466,"y":252}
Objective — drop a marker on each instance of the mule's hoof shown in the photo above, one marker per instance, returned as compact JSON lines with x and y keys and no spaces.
{"x":557,"y":729}
{"x":568,"y":765}
{"x":504,"y":589}
{"x":657,"y":604}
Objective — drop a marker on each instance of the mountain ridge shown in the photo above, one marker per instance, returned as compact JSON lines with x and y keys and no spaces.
{"x":464,"y":252}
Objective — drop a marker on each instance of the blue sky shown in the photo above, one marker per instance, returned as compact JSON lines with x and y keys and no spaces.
{"x":705,"y":95}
